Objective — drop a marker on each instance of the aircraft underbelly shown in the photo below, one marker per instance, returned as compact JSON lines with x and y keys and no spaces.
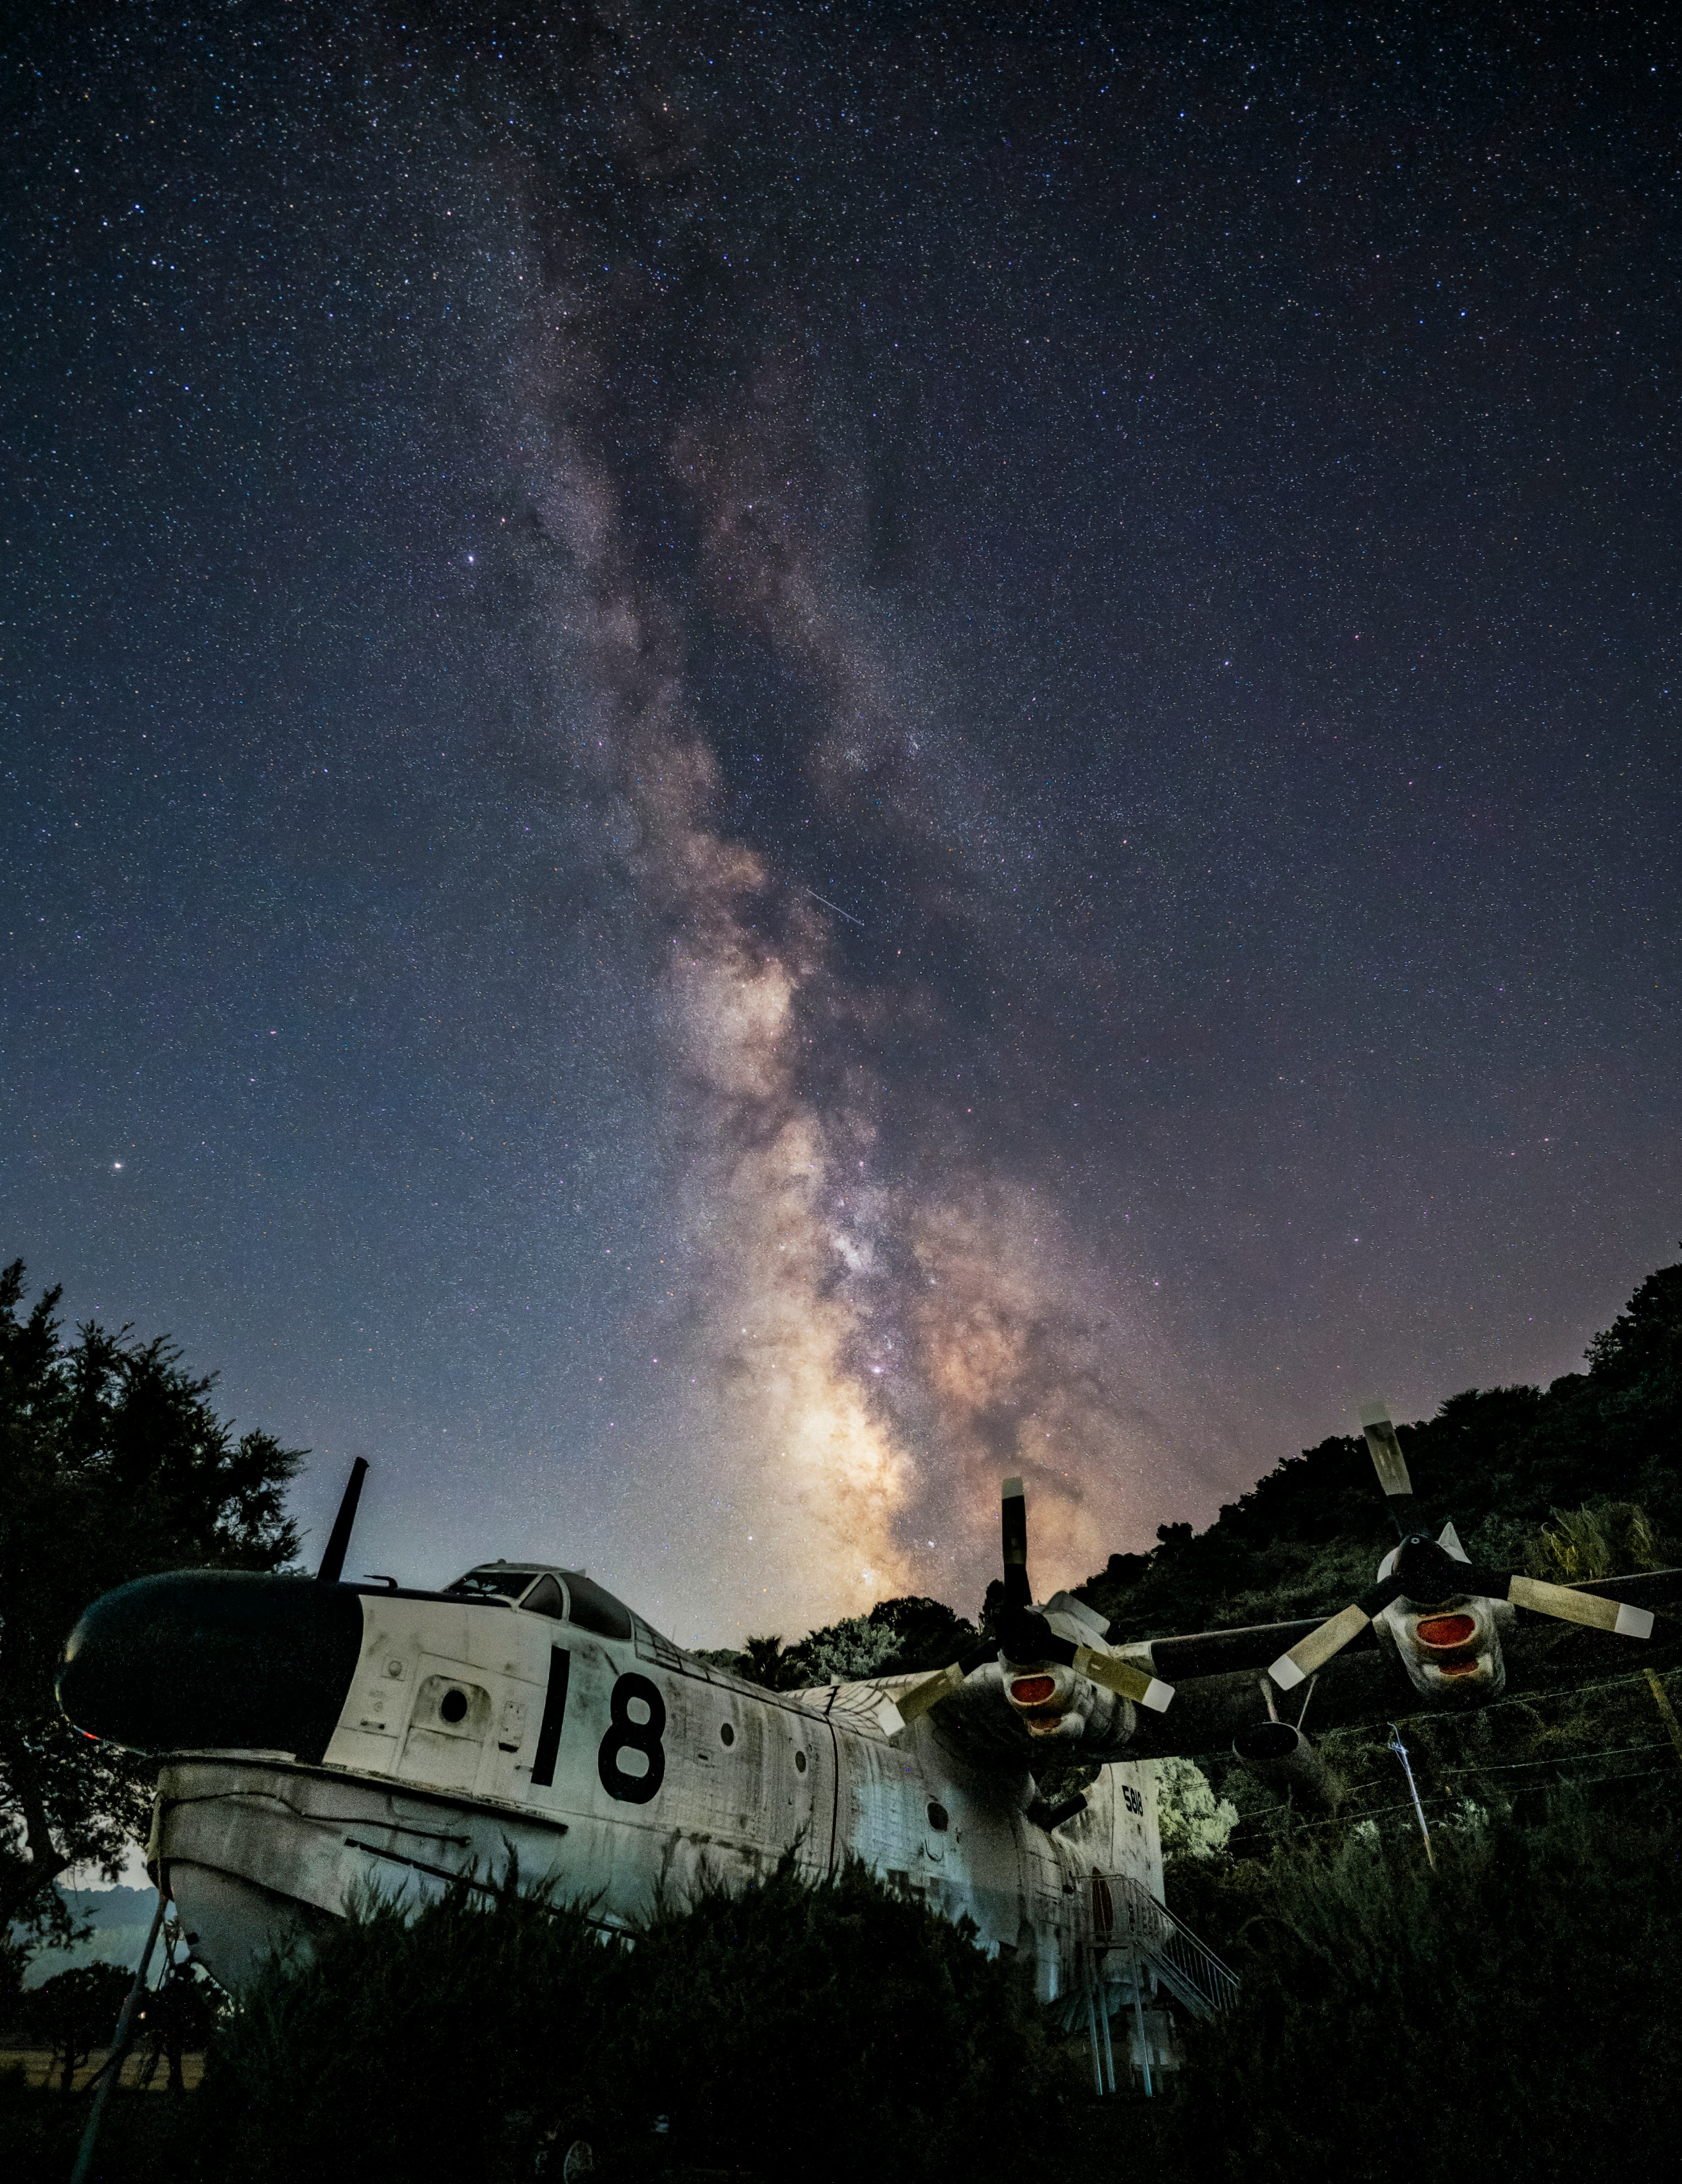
{"x":257,"y":1850}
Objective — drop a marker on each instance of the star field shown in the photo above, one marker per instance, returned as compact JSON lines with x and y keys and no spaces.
{"x":761,"y":761}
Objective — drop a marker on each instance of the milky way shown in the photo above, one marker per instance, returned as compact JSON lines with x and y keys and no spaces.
{"x":765,"y":763}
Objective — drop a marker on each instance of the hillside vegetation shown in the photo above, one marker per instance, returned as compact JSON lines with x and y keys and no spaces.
{"x":1501,"y":1461}
{"x":1581,"y":1479}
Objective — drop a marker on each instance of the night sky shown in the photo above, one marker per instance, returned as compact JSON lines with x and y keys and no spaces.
{"x":762,"y":760}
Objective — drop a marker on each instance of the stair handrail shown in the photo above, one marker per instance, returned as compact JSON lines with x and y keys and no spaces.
{"x":1140,"y":1923}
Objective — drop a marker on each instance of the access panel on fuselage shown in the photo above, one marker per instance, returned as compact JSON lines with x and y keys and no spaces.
{"x":884,"y":1817}
{"x":1122,"y":1834}
{"x":443,"y":1698}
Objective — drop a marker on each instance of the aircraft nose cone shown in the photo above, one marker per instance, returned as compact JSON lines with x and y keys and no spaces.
{"x":214,"y":1661}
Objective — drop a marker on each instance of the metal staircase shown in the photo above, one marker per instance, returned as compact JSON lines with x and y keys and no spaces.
{"x":1131,"y":1937}
{"x":1128,"y":1920}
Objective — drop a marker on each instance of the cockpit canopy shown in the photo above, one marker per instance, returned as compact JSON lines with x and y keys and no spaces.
{"x":568,"y":1596}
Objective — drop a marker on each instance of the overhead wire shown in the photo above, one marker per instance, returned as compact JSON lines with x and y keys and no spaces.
{"x":1518,"y":1698}
{"x":1556,"y":1758}
{"x":1273,"y":1823}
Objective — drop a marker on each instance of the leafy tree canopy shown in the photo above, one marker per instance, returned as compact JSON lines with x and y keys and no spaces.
{"x":113,"y":1465}
{"x":898,"y":1638}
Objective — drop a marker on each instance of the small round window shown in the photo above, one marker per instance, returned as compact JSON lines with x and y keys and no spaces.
{"x":726,"y":1734}
{"x":452,"y":1706}
{"x":938,"y":1818}
{"x":800,"y":1763}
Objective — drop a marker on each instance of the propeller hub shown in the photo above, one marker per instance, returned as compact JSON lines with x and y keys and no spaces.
{"x":1428,"y":1574}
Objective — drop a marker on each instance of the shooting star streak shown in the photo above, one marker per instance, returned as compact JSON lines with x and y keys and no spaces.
{"x":835,"y":906}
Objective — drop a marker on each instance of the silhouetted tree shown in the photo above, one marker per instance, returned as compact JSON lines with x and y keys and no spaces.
{"x":113,"y":1464}
{"x":763,"y":1661}
{"x":179,"y":2014}
{"x":74,"y":2012}
{"x":927,"y":1634}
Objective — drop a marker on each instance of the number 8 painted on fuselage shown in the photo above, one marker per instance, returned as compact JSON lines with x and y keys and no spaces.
{"x":625,"y":1735}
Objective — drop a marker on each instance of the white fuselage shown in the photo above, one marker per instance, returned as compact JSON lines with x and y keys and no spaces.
{"x":621,"y":1770}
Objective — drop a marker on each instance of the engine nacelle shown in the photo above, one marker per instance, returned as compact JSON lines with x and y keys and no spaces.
{"x":1057,"y":1705}
{"x":1451,"y":1648}
{"x":1277,"y":1753}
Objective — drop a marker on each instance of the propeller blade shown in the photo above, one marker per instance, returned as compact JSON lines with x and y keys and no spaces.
{"x":1596,"y":1610}
{"x":921,"y":1696}
{"x":1311,"y":1654}
{"x":1592,"y":1609}
{"x":1013,"y":1522}
{"x":1123,"y":1678}
{"x":1390,"y":1463}
{"x":946,"y":1682}
{"x":1025,"y":1637}
{"x":1420,"y":1562}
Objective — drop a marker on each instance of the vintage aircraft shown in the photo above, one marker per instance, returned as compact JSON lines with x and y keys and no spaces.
{"x":320,"y":1737}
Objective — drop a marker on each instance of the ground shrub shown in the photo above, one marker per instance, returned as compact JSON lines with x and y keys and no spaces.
{"x":439,"y":2046}
{"x":74,"y":2012}
{"x":1518,"y":2006}
{"x":826,"y":2030}
{"x":839,"y":2030}
{"x":146,"y":2138}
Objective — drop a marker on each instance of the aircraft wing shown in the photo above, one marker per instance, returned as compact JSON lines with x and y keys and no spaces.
{"x":1433,"y":1624}
{"x":1215,"y":1673}
{"x":1257,"y":1645}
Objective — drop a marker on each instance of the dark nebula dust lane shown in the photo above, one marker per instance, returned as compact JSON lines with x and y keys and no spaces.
{"x":758,"y":762}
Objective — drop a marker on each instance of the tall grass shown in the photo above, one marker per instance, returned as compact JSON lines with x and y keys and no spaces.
{"x":796,"y":2029}
{"x":1520,"y":2006}
{"x":416,"y":2048}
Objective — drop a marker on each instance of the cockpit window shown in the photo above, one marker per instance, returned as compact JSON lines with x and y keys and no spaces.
{"x":572,"y":1598}
{"x":546,"y":1598}
{"x":493,"y":1584}
{"x":595,"y":1608}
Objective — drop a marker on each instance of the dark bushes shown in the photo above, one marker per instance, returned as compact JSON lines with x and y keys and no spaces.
{"x":838,"y":2029}
{"x":435,"y":2047}
{"x":73,"y":2013}
{"x":796,"y":2031}
{"x":1519,"y":2008}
